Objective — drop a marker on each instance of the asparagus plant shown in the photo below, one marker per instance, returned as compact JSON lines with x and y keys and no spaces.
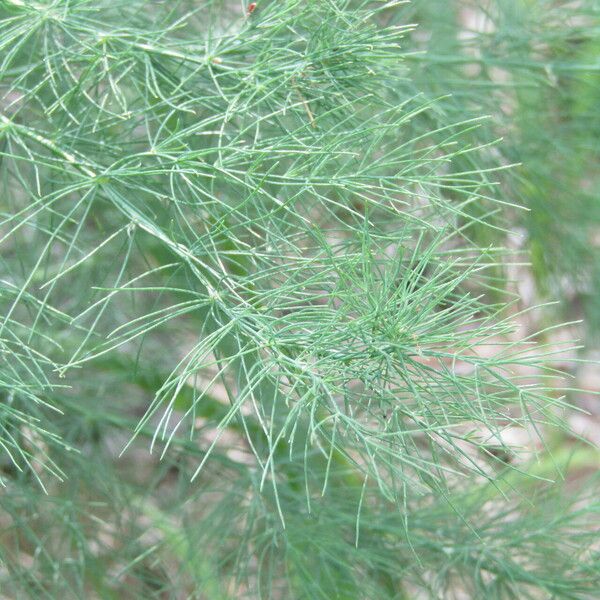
{"x":256,"y":337}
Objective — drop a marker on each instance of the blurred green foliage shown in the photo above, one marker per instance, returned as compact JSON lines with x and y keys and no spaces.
{"x":534,"y":68}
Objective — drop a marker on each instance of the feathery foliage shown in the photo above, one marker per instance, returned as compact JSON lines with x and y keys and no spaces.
{"x":267,"y":247}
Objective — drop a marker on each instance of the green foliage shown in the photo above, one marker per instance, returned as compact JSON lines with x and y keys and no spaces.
{"x":255,"y":339}
{"x":533,"y":67}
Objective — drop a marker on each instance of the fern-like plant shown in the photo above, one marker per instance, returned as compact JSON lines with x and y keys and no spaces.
{"x":254,"y":336}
